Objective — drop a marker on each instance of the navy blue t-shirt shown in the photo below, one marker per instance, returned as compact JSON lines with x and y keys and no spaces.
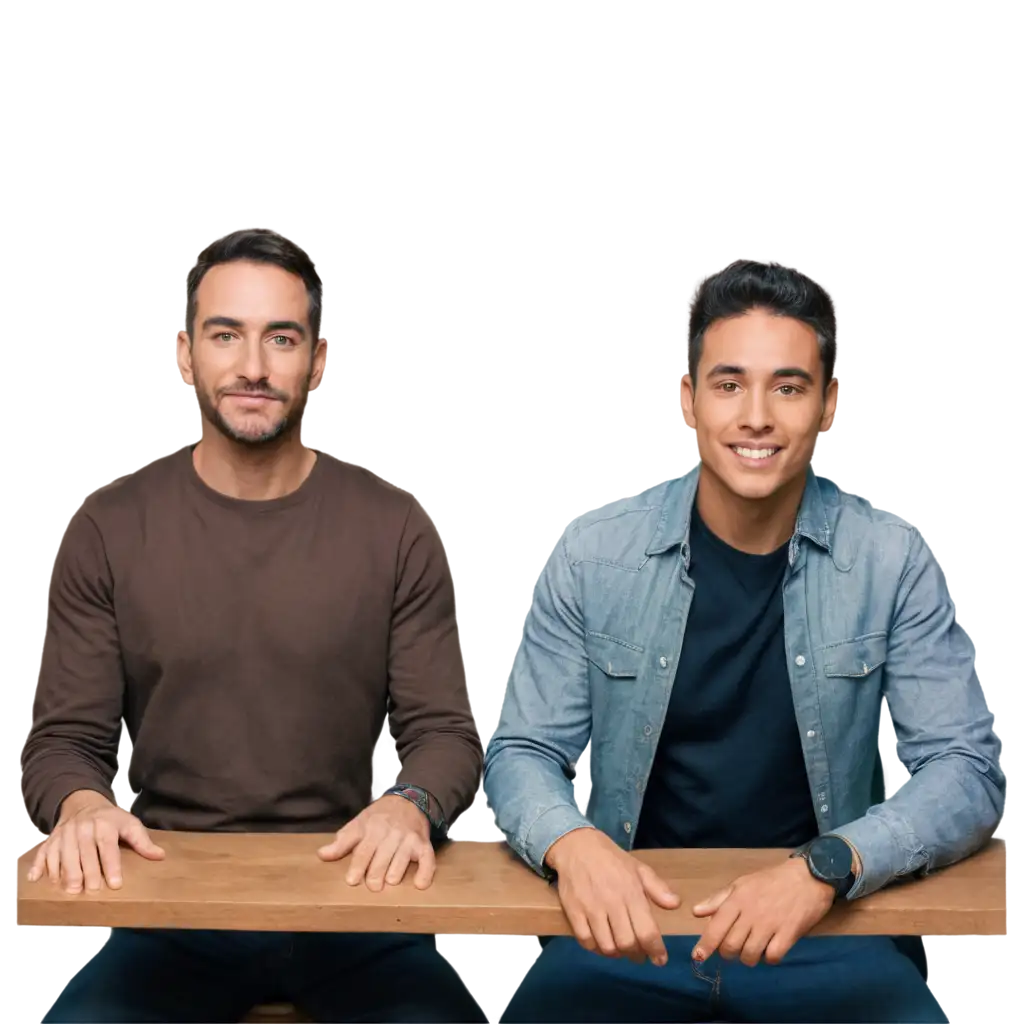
{"x":729,"y":768}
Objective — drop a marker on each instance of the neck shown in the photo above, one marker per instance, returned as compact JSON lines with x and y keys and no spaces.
{"x":259,"y":473}
{"x":757,"y":526}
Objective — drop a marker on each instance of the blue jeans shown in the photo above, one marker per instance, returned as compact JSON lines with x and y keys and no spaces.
{"x":840,"y":978}
{"x":179,"y":975}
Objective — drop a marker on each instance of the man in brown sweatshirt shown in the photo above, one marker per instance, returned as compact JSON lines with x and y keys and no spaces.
{"x":252,"y":609}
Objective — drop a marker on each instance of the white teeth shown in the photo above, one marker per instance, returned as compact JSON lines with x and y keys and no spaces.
{"x":754,"y":453}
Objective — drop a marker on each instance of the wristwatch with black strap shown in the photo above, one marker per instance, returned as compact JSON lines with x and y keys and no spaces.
{"x":830,"y":860}
{"x":427,"y":804}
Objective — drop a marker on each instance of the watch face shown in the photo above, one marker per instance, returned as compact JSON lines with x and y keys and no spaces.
{"x":831,"y":858}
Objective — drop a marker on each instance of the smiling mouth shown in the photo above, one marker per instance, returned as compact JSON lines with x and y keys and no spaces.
{"x":755,"y":454}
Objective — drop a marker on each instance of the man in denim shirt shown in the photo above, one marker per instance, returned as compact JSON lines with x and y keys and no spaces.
{"x":724,"y":640}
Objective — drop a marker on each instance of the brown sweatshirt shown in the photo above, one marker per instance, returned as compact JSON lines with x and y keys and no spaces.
{"x":253,"y":649}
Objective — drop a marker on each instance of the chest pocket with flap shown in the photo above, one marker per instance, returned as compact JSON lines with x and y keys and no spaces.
{"x":857,"y":658}
{"x":616,"y":658}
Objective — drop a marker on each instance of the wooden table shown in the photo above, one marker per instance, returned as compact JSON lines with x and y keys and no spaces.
{"x":277,"y":883}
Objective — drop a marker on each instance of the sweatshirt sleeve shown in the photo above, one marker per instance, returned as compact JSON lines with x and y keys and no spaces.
{"x":428,"y":706}
{"x":76,"y":724}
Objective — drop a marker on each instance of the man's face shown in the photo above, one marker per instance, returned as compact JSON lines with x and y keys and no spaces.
{"x":251,"y":359}
{"x":758,"y":403}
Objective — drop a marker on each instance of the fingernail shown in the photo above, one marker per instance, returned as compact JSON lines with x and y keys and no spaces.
{"x":697,"y":954}
{"x":660,"y":961}
{"x":115,"y":880}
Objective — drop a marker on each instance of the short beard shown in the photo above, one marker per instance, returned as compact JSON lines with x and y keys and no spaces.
{"x":288,"y":423}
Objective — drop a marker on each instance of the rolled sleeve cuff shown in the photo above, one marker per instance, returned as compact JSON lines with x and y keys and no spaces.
{"x":882,"y":856}
{"x":546,"y":830}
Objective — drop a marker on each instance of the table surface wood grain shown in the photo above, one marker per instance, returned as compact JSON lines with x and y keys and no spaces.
{"x":276,"y":882}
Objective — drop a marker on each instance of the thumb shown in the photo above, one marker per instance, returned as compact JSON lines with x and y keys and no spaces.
{"x":712,"y":903}
{"x":135,"y":834}
{"x":658,"y":889}
{"x":341,"y":845}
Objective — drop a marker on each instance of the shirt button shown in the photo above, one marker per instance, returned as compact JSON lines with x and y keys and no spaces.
{"x":824,"y":808}
{"x":810,"y":734}
{"x":663,"y":662}
{"x":801,"y":660}
{"x":648,"y":730}
{"x":628,"y":827}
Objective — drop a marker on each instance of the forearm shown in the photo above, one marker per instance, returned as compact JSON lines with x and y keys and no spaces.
{"x":447,"y":764}
{"x":947,"y":810}
{"x":532,"y":797}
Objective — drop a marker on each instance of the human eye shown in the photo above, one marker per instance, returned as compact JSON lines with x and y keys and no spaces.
{"x":282,"y":341}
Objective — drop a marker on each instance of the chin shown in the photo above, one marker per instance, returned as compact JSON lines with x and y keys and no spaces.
{"x":753,"y":490}
{"x":251,"y":433}
{"x":256,"y":428}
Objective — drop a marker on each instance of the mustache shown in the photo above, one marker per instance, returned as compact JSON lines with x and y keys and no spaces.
{"x":261,"y":390}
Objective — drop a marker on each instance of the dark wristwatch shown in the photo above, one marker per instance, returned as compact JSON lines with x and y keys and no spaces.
{"x":830,"y":860}
{"x":427,"y":804}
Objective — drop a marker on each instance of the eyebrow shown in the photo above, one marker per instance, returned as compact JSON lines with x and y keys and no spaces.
{"x":727,"y":370}
{"x":274,"y":325}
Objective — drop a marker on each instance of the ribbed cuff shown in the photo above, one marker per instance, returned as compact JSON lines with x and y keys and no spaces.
{"x":59,"y":790}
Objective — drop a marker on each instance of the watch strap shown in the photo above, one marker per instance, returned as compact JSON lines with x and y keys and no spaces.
{"x":426,"y":802}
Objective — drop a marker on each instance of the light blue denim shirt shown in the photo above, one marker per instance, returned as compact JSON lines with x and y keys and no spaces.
{"x":867,"y":615}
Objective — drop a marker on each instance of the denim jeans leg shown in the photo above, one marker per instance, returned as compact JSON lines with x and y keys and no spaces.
{"x":567,"y":983}
{"x":166,"y":975}
{"x":828,"y":979}
{"x":365,"y":976}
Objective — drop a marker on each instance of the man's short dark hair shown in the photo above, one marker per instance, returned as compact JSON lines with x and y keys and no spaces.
{"x":746,"y":285}
{"x":257,"y":245}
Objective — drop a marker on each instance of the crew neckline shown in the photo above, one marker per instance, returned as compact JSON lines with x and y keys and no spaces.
{"x":251,"y":505}
{"x":697,"y":522}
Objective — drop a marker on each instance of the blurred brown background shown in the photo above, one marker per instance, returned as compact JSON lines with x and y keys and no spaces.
{"x":127,"y":134}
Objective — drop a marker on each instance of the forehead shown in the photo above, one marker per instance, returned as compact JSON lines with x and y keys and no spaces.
{"x":252,"y":291}
{"x":761,"y":340}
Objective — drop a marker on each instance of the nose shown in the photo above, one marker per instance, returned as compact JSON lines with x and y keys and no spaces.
{"x":253,"y":360}
{"x":756,"y":414}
